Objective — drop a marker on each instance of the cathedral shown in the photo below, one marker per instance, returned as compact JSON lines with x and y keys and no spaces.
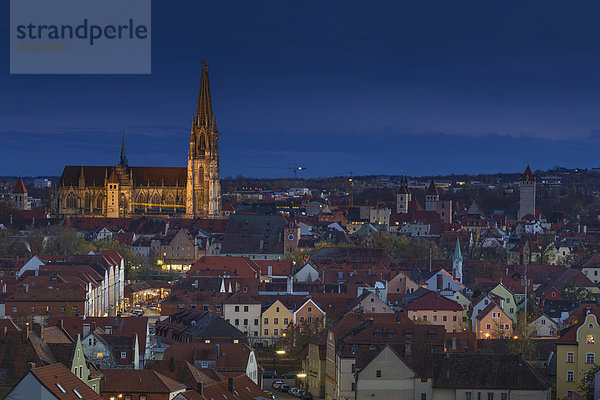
{"x":124,"y":191}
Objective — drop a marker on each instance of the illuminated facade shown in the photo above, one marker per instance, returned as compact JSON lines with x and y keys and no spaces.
{"x":122,"y":191}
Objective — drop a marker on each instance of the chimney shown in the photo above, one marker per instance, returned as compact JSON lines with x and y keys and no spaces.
{"x":230,"y":385}
{"x":217,"y":351}
{"x":200,"y":388}
{"x":86,"y":329}
{"x":172,"y":363}
{"x":60,"y":323}
{"x":31,"y":365}
{"x":26,"y":332}
{"x":3,"y":333}
{"x":37,"y":328}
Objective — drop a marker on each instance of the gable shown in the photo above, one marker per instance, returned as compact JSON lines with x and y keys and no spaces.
{"x":392,"y":367}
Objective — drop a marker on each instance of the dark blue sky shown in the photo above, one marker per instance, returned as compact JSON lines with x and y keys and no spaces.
{"x":431,"y":87}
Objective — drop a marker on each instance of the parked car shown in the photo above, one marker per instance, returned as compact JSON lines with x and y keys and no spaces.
{"x":290,"y":375}
{"x":276,"y":384}
{"x":293,"y":391}
{"x":269,"y":374}
{"x":299,"y":393}
{"x":284,"y":388}
{"x":307,"y":396}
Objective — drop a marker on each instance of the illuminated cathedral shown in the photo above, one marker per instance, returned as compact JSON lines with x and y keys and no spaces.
{"x":123,"y":191}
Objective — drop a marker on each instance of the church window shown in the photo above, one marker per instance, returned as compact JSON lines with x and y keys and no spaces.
{"x":71,"y":201}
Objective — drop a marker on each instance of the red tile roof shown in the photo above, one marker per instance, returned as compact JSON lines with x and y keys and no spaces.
{"x":433,"y":301}
{"x":52,"y":376}
{"x":19,"y":187}
{"x":137,"y":381}
{"x":527,"y":175}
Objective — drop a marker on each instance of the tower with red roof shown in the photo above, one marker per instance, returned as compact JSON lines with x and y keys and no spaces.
{"x":431,"y":197}
{"x":403,"y":197}
{"x":19,"y":196}
{"x":527,"y":193}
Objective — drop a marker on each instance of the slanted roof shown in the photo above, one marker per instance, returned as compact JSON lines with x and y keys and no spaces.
{"x":433,"y":301}
{"x":52,"y":376}
{"x":19,"y":187}
{"x":485,"y":371}
{"x":527,"y":175}
{"x":137,"y":381}
{"x":431,"y":190}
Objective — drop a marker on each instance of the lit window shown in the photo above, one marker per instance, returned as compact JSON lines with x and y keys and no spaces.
{"x":590,"y":339}
{"x":99,"y":354}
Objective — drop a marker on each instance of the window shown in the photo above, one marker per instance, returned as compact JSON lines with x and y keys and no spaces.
{"x":285,"y":321}
{"x":503,"y":396}
{"x":237,"y":321}
{"x":218,"y":308}
{"x":493,"y":315}
{"x":569,"y":393}
{"x":543,"y":322}
{"x":99,"y":354}
{"x":377,"y":335}
{"x":468,"y":395}
{"x":511,"y":310}
{"x":309,"y":309}
{"x":143,"y":397}
{"x":590,"y":339}
{"x":301,"y":319}
{"x":488,"y":326}
{"x":245,"y":308}
{"x":123,"y":355}
{"x":245,"y":321}
{"x":256,"y":322}
{"x":378,"y":373}
{"x":424,"y":317}
{"x":435,"y":317}
{"x":266,"y":332}
{"x":237,"y":308}
{"x":391,"y":335}
{"x":62,"y":309}
{"x":266,"y":321}
{"x":570,"y":375}
{"x":444,"y":318}
{"x":432,"y":336}
{"x":490,"y":395}
{"x":423,"y":396}
{"x":75,"y":309}
{"x":276,"y":332}
{"x":454,"y":318}
{"x":354,"y":386}
{"x":204,"y":364}
{"x":32,"y":309}
{"x":590,"y":358}
{"x":14,"y":309}
{"x":309,"y":318}
{"x":276,"y":321}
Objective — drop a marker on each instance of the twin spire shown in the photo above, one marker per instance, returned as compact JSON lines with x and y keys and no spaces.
{"x":123,"y":160}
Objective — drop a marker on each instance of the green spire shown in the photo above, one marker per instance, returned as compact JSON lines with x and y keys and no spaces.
{"x":457,"y":253}
{"x":123,"y":161}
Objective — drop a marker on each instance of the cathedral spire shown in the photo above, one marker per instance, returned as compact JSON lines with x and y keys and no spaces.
{"x":204,"y":112}
{"x":123,"y":161}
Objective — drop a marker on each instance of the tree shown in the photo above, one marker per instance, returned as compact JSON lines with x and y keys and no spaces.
{"x":405,"y":246}
{"x":68,"y":241}
{"x":522,"y":341}
{"x":586,"y":385}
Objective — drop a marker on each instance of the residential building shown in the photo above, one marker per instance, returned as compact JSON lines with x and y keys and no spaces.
{"x":275,"y":320}
{"x":138,"y":384}
{"x":244,"y":312}
{"x":493,"y":323}
{"x":432,"y":308}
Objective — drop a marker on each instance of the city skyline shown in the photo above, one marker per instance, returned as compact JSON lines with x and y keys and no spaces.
{"x":468,"y":88}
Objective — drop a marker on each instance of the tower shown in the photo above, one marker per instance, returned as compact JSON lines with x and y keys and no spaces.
{"x":431,"y":197}
{"x":203,"y":190}
{"x":527,"y":193}
{"x":123,"y":160}
{"x":457,"y":262}
{"x":19,"y":196}
{"x":292,"y":236}
{"x":403,"y":197}
{"x":112,"y":196}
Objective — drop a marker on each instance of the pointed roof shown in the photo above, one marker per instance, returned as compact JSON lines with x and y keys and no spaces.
{"x":19,"y":187}
{"x":431,"y":190}
{"x":123,"y":161}
{"x":527,"y":175}
{"x":457,"y":253}
{"x":204,"y":112}
{"x":113,"y":178}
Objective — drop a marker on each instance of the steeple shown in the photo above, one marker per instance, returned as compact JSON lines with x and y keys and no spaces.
{"x":204,"y":111}
{"x":123,"y":161}
{"x":457,"y":262}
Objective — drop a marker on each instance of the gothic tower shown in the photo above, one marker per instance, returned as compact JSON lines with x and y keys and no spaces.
{"x":527,"y":193}
{"x":203,"y":191}
{"x":403,"y":197}
{"x":431,"y":197}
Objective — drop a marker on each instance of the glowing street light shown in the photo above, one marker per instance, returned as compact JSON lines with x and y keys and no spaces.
{"x":302,"y":375}
{"x":280,"y":352}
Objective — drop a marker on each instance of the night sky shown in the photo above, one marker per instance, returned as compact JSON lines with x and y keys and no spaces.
{"x":430,"y":87}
